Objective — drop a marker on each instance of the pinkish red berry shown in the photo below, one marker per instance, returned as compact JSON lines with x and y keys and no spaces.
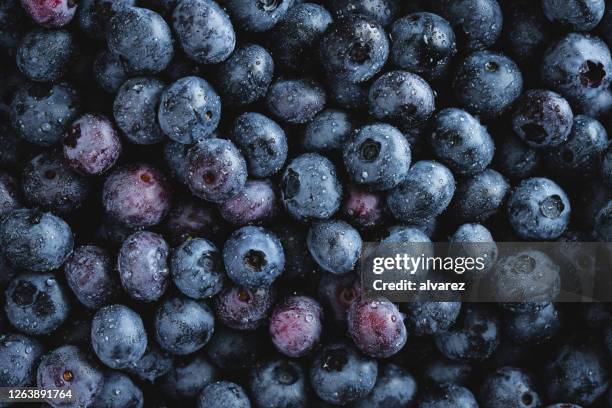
{"x":50,"y":13}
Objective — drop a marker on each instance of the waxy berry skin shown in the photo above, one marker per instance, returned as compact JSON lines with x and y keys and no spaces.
{"x":296,"y":325}
{"x":50,"y":13}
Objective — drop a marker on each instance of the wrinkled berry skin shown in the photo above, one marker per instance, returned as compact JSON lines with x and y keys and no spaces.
{"x":532,"y":327}
{"x":44,"y":55}
{"x":204,"y":31}
{"x":109,"y":72}
{"x":94,"y":15}
{"x":448,"y":396}
{"x":188,"y":377}
{"x":41,"y":113}
{"x":509,"y":387}
{"x":69,"y":368}
{"x":578,"y":67}
{"x":119,"y":391}
{"x":262,"y":142}
{"x":377,"y":156}
{"x":91,"y":145}
{"x":118,"y":336}
{"x":377,"y":327}
{"x":575,"y":15}
{"x":189,"y":110}
{"x":310,"y":189}
{"x":216,"y":171}
{"x":223,"y":394}
{"x":542,"y":118}
{"x":515,"y":159}
{"x":183,"y":326}
{"x":424,"y":194}
{"x":402,"y":98}
{"x":339,"y":374}
{"x":354,"y":49}
{"x":255,"y":204}
{"x":35,"y":240}
{"x":334,"y":245}
{"x":197,"y":269}
{"x":50,"y":13}
{"x":142,"y":39}
{"x":329,"y":130}
{"x":142,"y":266}
{"x":245,"y":77}
{"x":423,"y":43}
{"x":242,"y":308}
{"x":395,"y":388}
{"x":461,"y":142}
{"x":91,"y":275}
{"x":279,"y":383}
{"x":22,"y":355}
{"x":538,"y":209}
{"x":36,"y":303}
{"x":296,"y":325}
{"x":294,"y":40}
{"x":295,"y":101}
{"x":137,"y":195}
{"x":50,"y":184}
{"x":10,"y":198}
{"x":487,"y":83}
{"x":526,"y":31}
{"x":429,"y":318}
{"x":135,"y":110}
{"x":253,"y":257}
{"x":480,"y":196}
{"x":257,"y":15}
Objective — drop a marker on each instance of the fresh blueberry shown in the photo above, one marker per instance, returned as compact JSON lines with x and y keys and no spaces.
{"x":223,"y":394}
{"x":187,"y":378}
{"x":295,"y":325}
{"x":109,"y":72}
{"x":13,"y":21}
{"x":334,"y":245}
{"x":575,"y":15}
{"x":448,"y":396}
{"x":382,"y":11}
{"x":141,"y":38}
{"x":10,"y":198}
{"x":91,"y":275}
{"x":532,"y":327}
{"x":94,"y":15}
{"x":257,"y":15}
{"x":154,"y":364}
{"x":509,"y":387}
{"x":119,"y":391}
{"x":348,"y":95}
{"x":50,"y":13}
{"x":216,"y":171}
{"x":515,"y":159}
{"x":480,"y":197}
{"x":118,"y":336}
{"x":337,"y":292}
{"x":310,"y":189}
{"x":175,"y":158}
{"x":473,"y":241}
{"x":295,"y":101}
{"x":35,"y":240}
{"x":20,"y":355}
{"x":244,"y":309}
{"x":44,"y":55}
{"x":377,"y":156}
{"x":526,"y":31}
{"x":190,"y":218}
{"x":429,"y":318}
{"x":395,"y":388}
{"x":279,"y":383}
{"x":444,"y":371}
{"x":197,"y":269}
{"x":255,"y":204}
{"x":363,"y":208}
{"x":142,"y":266}
{"x":235,"y":351}
{"x":262,"y":141}
{"x":329,"y":130}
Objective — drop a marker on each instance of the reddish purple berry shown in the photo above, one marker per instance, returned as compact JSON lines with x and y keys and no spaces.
{"x":255,"y":204}
{"x":362,"y":207}
{"x":50,"y":13}
{"x":91,"y":145}
{"x":137,"y":195}
{"x":244,"y":309}
{"x":338,"y":292}
{"x":295,"y":325}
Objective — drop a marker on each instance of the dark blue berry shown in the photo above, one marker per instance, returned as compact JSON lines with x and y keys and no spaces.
{"x":234,"y":350}
{"x":223,"y":394}
{"x":45,"y":55}
{"x":197,"y":269}
{"x":395,"y":388}
{"x":19,"y":355}
{"x":532,"y":327}
{"x":448,"y":396}
{"x":429,"y":318}
{"x":109,"y":71}
{"x":244,"y":309}
{"x":515,"y":159}
{"x":187,"y":378}
{"x":257,"y":15}
{"x":279,"y":383}
{"x":119,"y":391}
{"x":153,"y":364}
{"x":480,"y":196}
{"x":295,"y":101}
{"x":575,"y":15}
{"x":334,"y":245}
{"x":328,"y":130}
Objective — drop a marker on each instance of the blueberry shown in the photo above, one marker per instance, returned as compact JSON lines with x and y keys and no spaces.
{"x":542,"y":118}
{"x":244,"y":309}
{"x":234,"y":350}
{"x":190,"y":218}
{"x":91,"y":275}
{"x":348,"y":95}
{"x":222,"y":394}
{"x":135,"y":110}
{"x":515,"y":159}
{"x":334,"y":245}
{"x":245,"y":77}
{"x":175,"y":158}
{"x":538,"y":209}
{"x":13,"y":21}
{"x":255,"y":204}
{"x":50,"y":13}
{"x":44,"y":55}
{"x":216,"y":171}
{"x":137,"y":195}
{"x":262,"y":142}
{"x":337,"y":292}
{"x":402,"y":98}
{"x":21,"y":354}
{"x":253,"y":257}
{"x":119,"y":391}
{"x":429,"y":318}
{"x":532,"y":327}
{"x":41,"y":112}
{"x":204,"y":31}
{"x":329,"y":130}
{"x":141,"y":38}
{"x":480,"y":197}
{"x":339,"y":374}
{"x":509,"y":387}
{"x":183,"y":326}
{"x":603,"y":222}
{"x":526,"y":31}
{"x":395,"y":388}
{"x":444,"y":371}
{"x":448,"y":396}
{"x":382,"y":11}
{"x":69,"y":368}
{"x":575,"y":15}
{"x":294,"y":39}
{"x":295,"y":326}
{"x":154,"y":364}
{"x":189,"y":110}
{"x":459,"y":141}
{"x":474,"y":338}
{"x":14,"y":148}
{"x":473,"y":241}
{"x":310,"y":189}
{"x":197,"y":269}
{"x":109,"y":71}
{"x":295,"y":101}
{"x":257,"y":15}
{"x":423,"y":43}
{"x":577,"y":66}
{"x":94,"y":15}
{"x":354,"y":49}
{"x":377,"y":156}
{"x":142,"y":266}
{"x":50,"y":184}
{"x":363,"y":208}
{"x":188,"y":378}
{"x":279,"y":383}
{"x":424,"y":194}
{"x":10,"y":198}
{"x":118,"y":336}
{"x":487,"y":83}
{"x":35,"y":240}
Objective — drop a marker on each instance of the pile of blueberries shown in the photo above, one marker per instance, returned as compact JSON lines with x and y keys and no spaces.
{"x":186,"y":187}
